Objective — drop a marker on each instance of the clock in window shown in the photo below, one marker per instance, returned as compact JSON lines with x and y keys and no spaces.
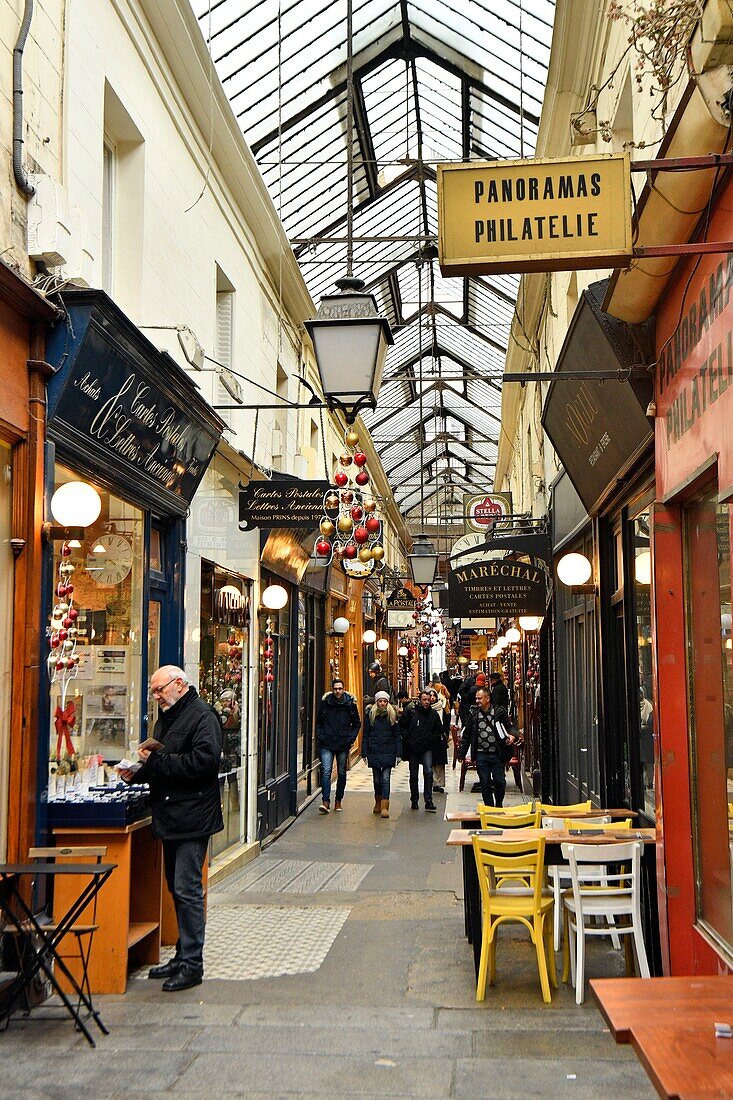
{"x":111,"y":559}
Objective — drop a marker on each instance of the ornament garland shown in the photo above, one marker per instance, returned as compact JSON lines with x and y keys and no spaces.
{"x":350,"y":528}
{"x":63,"y":660}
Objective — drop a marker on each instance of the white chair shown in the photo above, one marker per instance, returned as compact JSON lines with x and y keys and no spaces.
{"x":612,"y":894}
{"x":559,"y":877}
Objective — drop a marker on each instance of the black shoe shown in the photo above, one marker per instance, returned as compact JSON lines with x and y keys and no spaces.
{"x":431,"y":807}
{"x":167,"y":970}
{"x":414,"y":805}
{"x":185,"y":978}
{"x":437,"y":789}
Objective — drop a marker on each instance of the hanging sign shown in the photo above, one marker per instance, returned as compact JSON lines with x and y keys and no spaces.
{"x":497,"y":586}
{"x":479,"y":645}
{"x":482,"y":510}
{"x":534,"y":215}
{"x":281,"y":504}
{"x":401,"y":610}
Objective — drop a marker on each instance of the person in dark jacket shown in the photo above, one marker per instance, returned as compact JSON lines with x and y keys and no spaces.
{"x":184,"y":797}
{"x":381,"y":746}
{"x":485,"y":733}
{"x":467,"y":694}
{"x":337,"y":724}
{"x":499,"y":692}
{"x":422,"y":730}
{"x":379,"y":683}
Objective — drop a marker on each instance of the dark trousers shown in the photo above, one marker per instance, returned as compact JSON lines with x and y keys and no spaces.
{"x":492,"y":777}
{"x":184,"y":864}
{"x":426,"y":760}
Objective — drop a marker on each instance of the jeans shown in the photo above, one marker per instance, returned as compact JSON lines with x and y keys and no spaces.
{"x":184,"y":862}
{"x":426,"y":760}
{"x":492,"y":777}
{"x":381,"y":781}
{"x":327,"y":756}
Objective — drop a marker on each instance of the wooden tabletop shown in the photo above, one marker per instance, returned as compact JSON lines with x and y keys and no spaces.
{"x":670,"y":1022}
{"x":472,"y":815}
{"x":462,"y":837}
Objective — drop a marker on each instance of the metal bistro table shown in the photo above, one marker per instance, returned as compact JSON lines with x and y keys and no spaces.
{"x":38,"y":949}
{"x":554,"y":838}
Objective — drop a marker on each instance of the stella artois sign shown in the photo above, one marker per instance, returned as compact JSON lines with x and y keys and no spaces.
{"x":481,"y":511}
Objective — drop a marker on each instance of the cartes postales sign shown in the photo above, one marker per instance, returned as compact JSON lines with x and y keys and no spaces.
{"x":281,"y":504}
{"x":499,"y":587}
{"x":481,"y":511}
{"x":401,"y":610}
{"x":534,"y":215}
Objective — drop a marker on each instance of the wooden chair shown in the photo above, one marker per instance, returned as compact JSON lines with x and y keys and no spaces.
{"x":531,"y":907}
{"x":495,"y":818}
{"x":614,"y":894}
{"x":560,"y":811}
{"x":525,"y":808}
{"x":559,"y":877}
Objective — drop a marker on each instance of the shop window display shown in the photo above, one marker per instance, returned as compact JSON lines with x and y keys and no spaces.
{"x":708,"y":608}
{"x":642,"y":566}
{"x":224,"y":683}
{"x":101,"y":714}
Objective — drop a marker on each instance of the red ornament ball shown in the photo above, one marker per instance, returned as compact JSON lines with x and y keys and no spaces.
{"x":360,"y":459}
{"x":341,"y":479}
{"x":362,"y":478}
{"x":269,"y":677}
{"x":55,"y":642}
{"x":323,"y":548}
{"x":361,"y":535}
{"x":60,"y":664}
{"x":350,"y":551}
{"x":73,"y":615}
{"x":372,"y":525}
{"x":67,"y":622}
{"x":357,"y":512}
{"x":65,"y":551}
{"x":348,"y":497}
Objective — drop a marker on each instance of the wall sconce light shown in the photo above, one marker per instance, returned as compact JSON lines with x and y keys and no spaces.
{"x":75,"y":506}
{"x":369,"y":637}
{"x":382,"y":645}
{"x":502,"y":642}
{"x":274,"y":597}
{"x":403,"y":651}
{"x":574,"y":571}
{"x":341,"y":625}
{"x":530,"y":623}
{"x":513,"y":635}
{"x":643,"y":567}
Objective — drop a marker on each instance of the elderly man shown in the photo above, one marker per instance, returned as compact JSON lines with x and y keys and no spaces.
{"x":486,"y":734}
{"x":184,"y":793}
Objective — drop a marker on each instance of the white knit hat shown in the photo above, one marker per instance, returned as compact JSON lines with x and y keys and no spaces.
{"x":381,"y":695}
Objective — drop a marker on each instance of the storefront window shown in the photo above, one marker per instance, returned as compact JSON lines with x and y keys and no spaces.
{"x":709,"y":650}
{"x":6,"y":635}
{"x":274,"y":695}
{"x":104,"y":701}
{"x":224,"y":676}
{"x":642,"y":565}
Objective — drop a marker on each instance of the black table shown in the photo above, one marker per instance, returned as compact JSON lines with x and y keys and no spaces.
{"x":38,"y":950}
{"x":553,"y":857}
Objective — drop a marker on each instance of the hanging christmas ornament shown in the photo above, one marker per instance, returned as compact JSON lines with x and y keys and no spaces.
{"x":63,"y":661}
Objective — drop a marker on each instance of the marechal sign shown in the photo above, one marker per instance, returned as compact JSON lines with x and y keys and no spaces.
{"x":498,"y":587}
{"x":281,"y":504}
{"x":534,"y":215}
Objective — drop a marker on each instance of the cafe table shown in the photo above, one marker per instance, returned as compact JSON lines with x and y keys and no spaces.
{"x":670,"y":1023}
{"x":554,"y":839}
{"x":38,"y":943}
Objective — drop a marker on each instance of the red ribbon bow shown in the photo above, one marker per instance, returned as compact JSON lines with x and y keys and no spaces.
{"x":63,"y":721}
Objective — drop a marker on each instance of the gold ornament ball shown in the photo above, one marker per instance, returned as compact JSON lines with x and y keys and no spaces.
{"x":351,"y":438}
{"x":365,"y":554}
{"x":327,"y":527}
{"x":377,"y":551}
{"x":345,"y":460}
{"x":370,"y":506}
{"x":345,"y":523}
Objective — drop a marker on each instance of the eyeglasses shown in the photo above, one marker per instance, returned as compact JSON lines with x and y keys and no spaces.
{"x":158,"y":690}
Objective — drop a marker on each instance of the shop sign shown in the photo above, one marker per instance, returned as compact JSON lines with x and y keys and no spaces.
{"x":281,"y":504}
{"x":497,"y":587}
{"x":694,"y":375}
{"x":401,"y":610}
{"x":118,"y":405}
{"x":597,"y":428}
{"x":482,"y":510}
{"x":534,"y":215}
{"x":479,"y":647}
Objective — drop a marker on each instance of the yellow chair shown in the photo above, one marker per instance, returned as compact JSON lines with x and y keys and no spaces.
{"x":560,"y":811}
{"x":594,"y":824}
{"x":491,"y":818}
{"x":525,"y":808}
{"x":496,"y":860}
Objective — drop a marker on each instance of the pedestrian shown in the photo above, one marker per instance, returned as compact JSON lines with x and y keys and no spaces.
{"x":183,"y":775}
{"x":379,"y":682}
{"x":403,"y":701}
{"x":467,"y":694}
{"x":440,"y":755}
{"x":499,"y":692}
{"x":337,"y":725}
{"x":485,"y":733}
{"x":381,"y":747}
{"x":421,"y":732}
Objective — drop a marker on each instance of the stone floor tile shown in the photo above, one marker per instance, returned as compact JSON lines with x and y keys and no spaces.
{"x":378,"y":1040}
{"x":520,"y":1077}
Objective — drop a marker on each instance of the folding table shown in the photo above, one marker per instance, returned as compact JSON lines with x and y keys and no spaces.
{"x":38,"y":945}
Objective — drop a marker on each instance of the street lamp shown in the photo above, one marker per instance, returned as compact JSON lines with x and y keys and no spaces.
{"x":341,"y":625}
{"x":350,"y":340}
{"x":274,"y":597}
{"x":369,"y":637}
{"x":423,"y":561}
{"x":382,"y":645}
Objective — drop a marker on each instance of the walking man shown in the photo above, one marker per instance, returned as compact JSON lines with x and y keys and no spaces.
{"x":422,"y":730}
{"x":379,"y":682}
{"x":486,"y":735}
{"x":184,"y":797}
{"x":499,"y":693}
{"x":337,"y":724}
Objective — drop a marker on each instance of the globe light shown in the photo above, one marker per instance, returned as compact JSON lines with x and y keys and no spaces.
{"x":382,"y":645}
{"x":369,"y":637}
{"x":643,"y":567}
{"x":341,"y":625}
{"x":531,"y":623}
{"x":503,"y":642}
{"x":574,"y":569}
{"x":513,"y":635}
{"x":403,"y":651}
{"x":274,"y":597}
{"x":76,"y":504}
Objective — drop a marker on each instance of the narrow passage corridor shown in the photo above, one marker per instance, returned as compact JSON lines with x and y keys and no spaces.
{"x":336,"y":966}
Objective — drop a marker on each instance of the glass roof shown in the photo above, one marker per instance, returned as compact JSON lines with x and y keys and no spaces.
{"x":434,"y":81}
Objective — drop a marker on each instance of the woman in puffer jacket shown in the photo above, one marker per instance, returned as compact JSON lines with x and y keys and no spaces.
{"x":381,"y":746}
{"x":440,"y":754}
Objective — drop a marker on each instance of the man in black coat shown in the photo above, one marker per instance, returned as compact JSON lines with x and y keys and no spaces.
{"x":499,"y":692}
{"x":379,"y":682}
{"x":485,"y":733}
{"x":184,"y":795}
{"x":337,"y":724}
{"x":422,"y":730}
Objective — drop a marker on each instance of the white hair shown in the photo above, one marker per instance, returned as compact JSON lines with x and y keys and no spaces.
{"x":173,"y":672}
